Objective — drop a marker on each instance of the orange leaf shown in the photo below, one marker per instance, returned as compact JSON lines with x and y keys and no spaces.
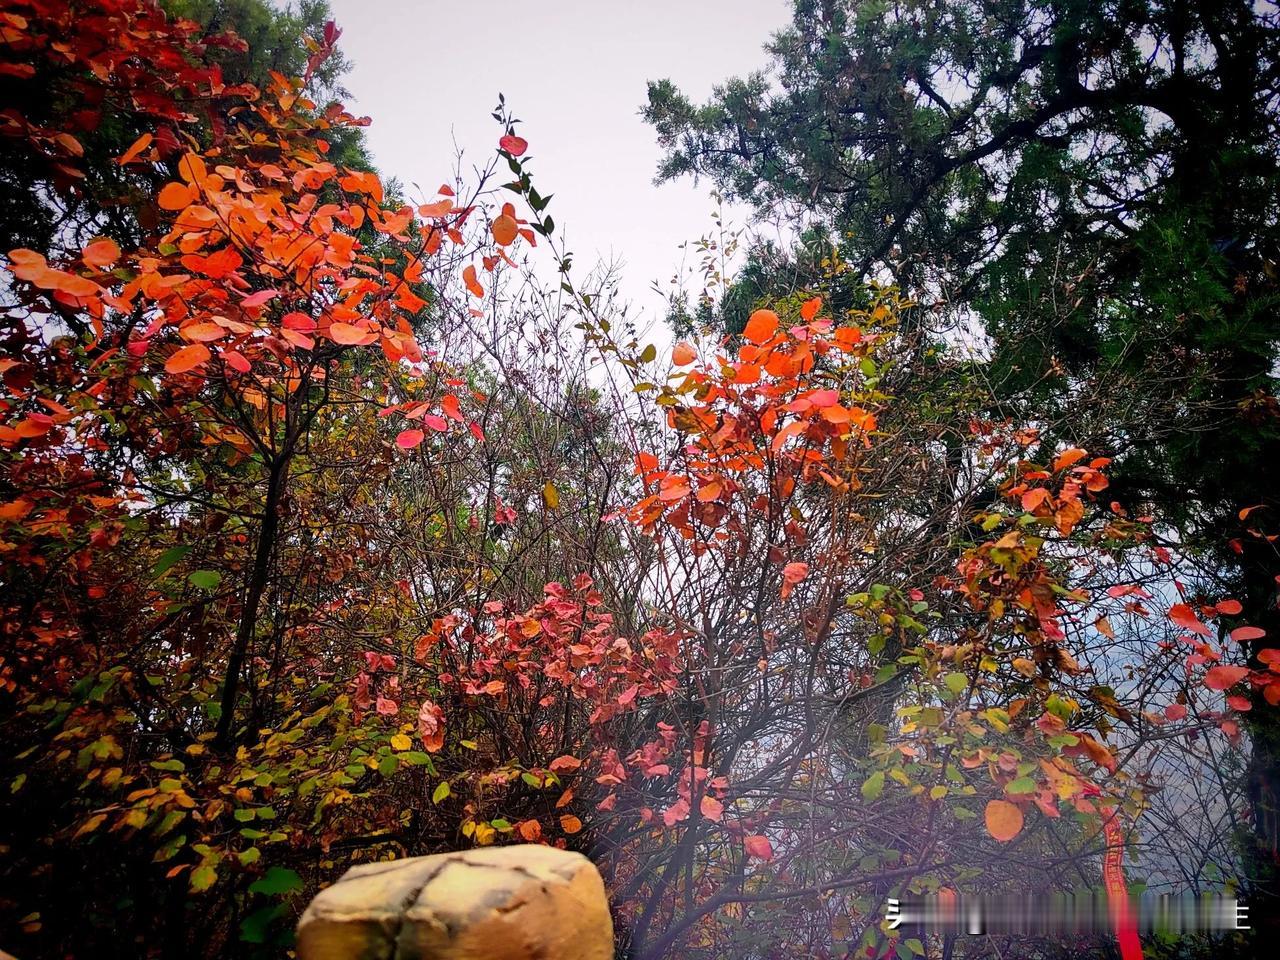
{"x":1067,"y":457}
{"x":711,"y":808}
{"x":1004,"y":820}
{"x":762,"y":325}
{"x":175,"y":196}
{"x":570,"y":824}
{"x":203,"y":332}
{"x":72,"y":285}
{"x":434,"y":210}
{"x":188,"y":358}
{"x":136,"y":148}
{"x":469,"y":278}
{"x":709,"y":491}
{"x":810,"y":309}
{"x":682,"y":354}
{"x":347,"y":334}
{"x":1243,"y":634}
{"x":504,"y":230}
{"x":101,"y":253}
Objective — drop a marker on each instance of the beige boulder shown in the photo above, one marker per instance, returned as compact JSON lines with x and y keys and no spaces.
{"x":501,"y":903}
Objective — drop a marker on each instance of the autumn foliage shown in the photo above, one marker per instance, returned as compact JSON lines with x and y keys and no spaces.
{"x":295,"y":575}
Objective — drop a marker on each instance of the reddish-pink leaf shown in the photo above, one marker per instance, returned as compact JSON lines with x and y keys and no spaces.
{"x":258,"y":299}
{"x":795,"y":572}
{"x":1220,"y":678}
{"x":1245,"y":634}
{"x":516,"y":146}
{"x":408,"y":439}
{"x":711,"y":808}
{"x":758,"y":847}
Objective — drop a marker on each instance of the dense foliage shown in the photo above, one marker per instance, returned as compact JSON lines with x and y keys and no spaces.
{"x":1089,"y":191}
{"x":330,"y":533}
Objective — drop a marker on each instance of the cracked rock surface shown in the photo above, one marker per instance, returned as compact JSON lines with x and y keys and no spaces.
{"x":524,"y":902}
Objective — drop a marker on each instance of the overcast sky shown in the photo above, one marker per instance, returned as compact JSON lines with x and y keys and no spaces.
{"x":574,"y":71}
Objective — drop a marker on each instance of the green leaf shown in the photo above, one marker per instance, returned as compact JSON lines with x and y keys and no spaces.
{"x":956,"y":682}
{"x":277,"y":880}
{"x":874,"y":786}
{"x":441,"y":792}
{"x":388,"y":765}
{"x":416,"y":758}
{"x":203,"y":877}
{"x":649,"y":354}
{"x":252,"y":855}
{"x":1021,"y":785}
{"x":257,"y":926}
{"x":169,"y":558}
{"x":205,"y":579}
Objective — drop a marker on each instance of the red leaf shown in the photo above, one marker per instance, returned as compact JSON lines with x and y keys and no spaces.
{"x":1183,"y":616}
{"x":516,"y":146}
{"x":408,"y":439}
{"x":450,"y":408}
{"x":1245,"y":634}
{"x":1220,"y":678}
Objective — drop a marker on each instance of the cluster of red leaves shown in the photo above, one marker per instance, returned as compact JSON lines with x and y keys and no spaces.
{"x":558,"y":667}
{"x":112,"y":59}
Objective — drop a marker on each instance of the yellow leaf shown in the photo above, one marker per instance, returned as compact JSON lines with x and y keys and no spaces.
{"x":401,"y":742}
{"x":92,"y":824}
{"x":550,"y":495}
